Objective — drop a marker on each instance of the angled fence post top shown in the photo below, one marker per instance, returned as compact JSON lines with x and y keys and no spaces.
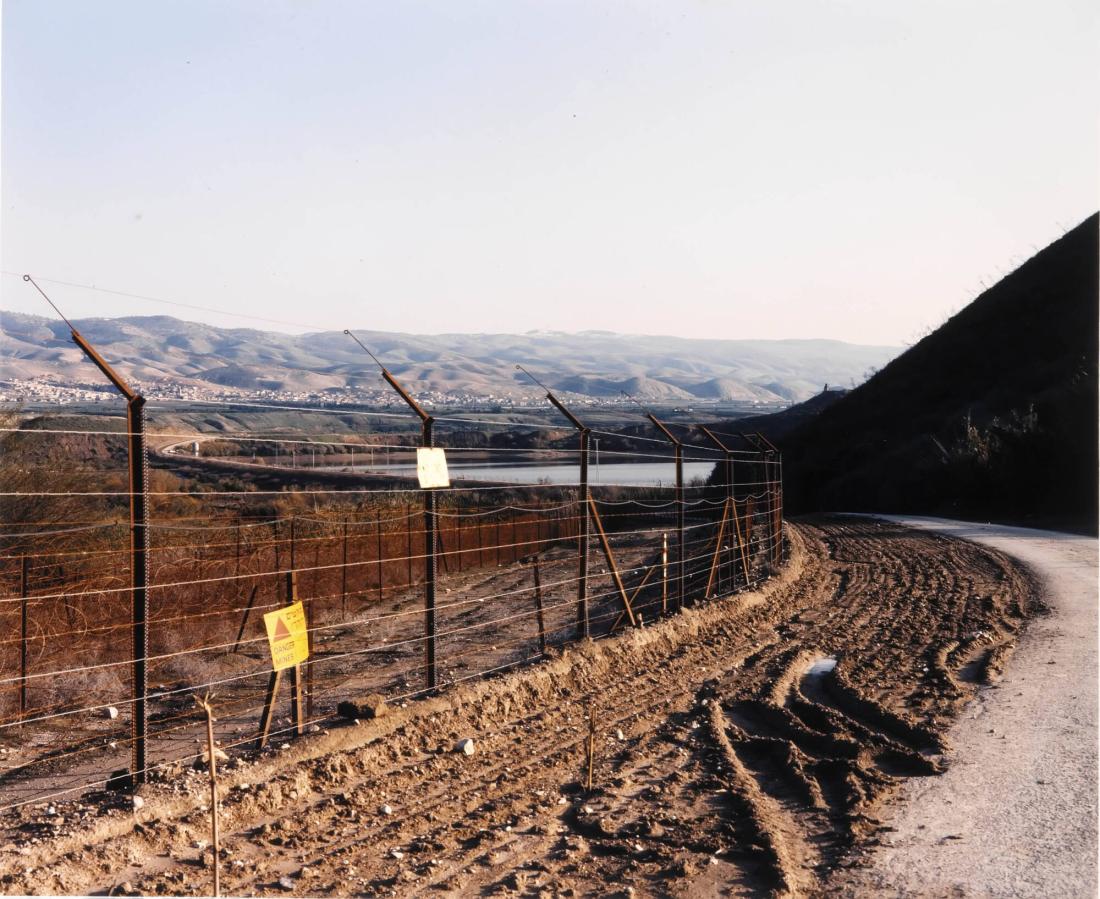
{"x":713,"y":438}
{"x":556,"y":403}
{"x":114,"y":377}
{"x":660,"y":425}
{"x":139,"y":544}
{"x":431,"y":542}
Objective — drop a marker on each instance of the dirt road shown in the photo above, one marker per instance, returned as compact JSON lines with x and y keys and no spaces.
{"x":1016,"y":813}
{"x":731,"y":755}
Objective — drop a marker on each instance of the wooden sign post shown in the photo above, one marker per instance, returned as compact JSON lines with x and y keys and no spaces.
{"x":288,"y":638}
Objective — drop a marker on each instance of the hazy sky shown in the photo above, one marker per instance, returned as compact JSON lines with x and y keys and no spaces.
{"x":714,"y":168}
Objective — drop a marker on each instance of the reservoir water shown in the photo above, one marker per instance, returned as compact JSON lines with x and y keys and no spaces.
{"x":624,"y":474}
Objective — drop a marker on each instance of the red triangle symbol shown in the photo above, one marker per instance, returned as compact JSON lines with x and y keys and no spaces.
{"x":281,"y":632}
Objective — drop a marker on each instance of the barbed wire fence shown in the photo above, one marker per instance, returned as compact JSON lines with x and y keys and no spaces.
{"x":111,"y":626}
{"x":361,"y":573}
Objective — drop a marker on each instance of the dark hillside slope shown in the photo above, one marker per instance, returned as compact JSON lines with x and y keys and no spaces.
{"x":776,"y":425}
{"x":993,"y":416}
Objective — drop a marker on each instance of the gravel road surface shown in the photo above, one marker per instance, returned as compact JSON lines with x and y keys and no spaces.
{"x":1015,"y":813}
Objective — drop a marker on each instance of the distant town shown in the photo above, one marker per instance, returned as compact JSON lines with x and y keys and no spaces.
{"x":38,"y":391}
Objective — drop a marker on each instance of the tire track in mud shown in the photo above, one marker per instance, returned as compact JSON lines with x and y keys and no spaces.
{"x":726,"y":760}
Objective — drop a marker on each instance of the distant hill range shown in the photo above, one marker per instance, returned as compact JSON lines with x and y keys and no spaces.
{"x":992,"y":416}
{"x":589,"y":363}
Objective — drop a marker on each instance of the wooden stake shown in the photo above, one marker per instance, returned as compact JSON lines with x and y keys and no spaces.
{"x":205,"y":705}
{"x":591,"y":744}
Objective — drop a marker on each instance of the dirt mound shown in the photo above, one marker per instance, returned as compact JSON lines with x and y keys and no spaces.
{"x":742,"y":746}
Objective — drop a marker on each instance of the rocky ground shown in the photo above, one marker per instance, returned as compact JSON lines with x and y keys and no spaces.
{"x":743,"y":747}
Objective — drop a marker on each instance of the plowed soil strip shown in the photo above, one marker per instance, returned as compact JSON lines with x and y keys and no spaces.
{"x":724,"y":758}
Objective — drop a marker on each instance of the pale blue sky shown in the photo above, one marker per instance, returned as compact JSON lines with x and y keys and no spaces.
{"x":724,"y":169}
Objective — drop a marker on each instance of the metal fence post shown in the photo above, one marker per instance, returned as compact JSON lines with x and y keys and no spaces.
{"x":24,"y":572}
{"x":278,"y":562}
{"x":139,"y":577}
{"x":584,"y":495}
{"x":378,"y":552}
{"x":409,"y":544}
{"x":430,"y":551}
{"x":430,"y":547}
{"x":139,"y":542}
{"x":681,"y":558}
{"x":773,"y":477}
{"x":731,"y":498}
{"x":344,"y":574}
{"x":538,"y":608}
{"x":583,"y":628}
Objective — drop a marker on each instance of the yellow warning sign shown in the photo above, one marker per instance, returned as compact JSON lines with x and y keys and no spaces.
{"x":286,"y":634}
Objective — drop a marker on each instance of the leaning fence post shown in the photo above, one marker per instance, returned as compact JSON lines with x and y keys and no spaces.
{"x":269,"y":707}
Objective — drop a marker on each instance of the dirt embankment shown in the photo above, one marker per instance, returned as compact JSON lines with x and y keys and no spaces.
{"x":731,"y":755}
